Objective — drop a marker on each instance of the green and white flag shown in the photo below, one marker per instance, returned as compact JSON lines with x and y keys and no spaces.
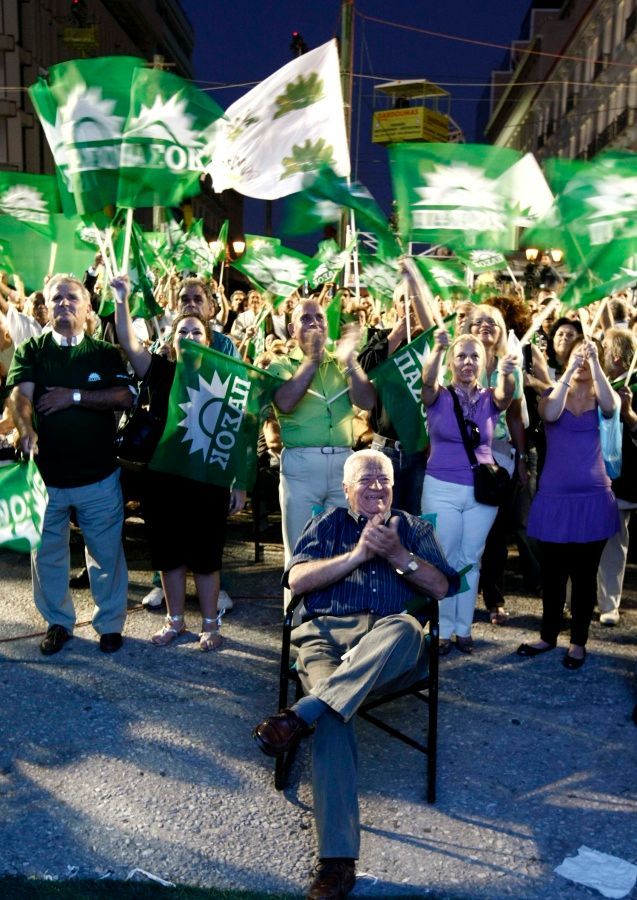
{"x":83,"y":109}
{"x":167,"y":140}
{"x":445,"y":278}
{"x":380,"y":276}
{"x":213,"y":418}
{"x":30,"y":252}
{"x":193,"y":250}
{"x":275,"y":268}
{"x":322,"y":201}
{"x":142,"y":301}
{"x":33,"y":199}
{"x":461,"y":195}
{"x":481,"y":260}
{"x":289,"y":125}
{"x":331,"y":261}
{"x":23,"y":501}
{"x":218,"y":247}
{"x":398,"y":381}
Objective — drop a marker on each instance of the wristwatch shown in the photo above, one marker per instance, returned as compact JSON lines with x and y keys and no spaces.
{"x":76,"y":396}
{"x":412,"y":566}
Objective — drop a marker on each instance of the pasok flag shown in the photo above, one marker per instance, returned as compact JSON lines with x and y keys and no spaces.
{"x":33,"y":199}
{"x":83,"y":108}
{"x":398,"y":381}
{"x":213,"y":418}
{"x":23,"y":501}
{"x":167,"y":140}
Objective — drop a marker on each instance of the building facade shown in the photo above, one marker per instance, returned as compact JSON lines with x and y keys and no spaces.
{"x":579,"y":98}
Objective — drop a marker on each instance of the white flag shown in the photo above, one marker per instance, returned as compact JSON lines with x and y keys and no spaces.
{"x":286,"y":127}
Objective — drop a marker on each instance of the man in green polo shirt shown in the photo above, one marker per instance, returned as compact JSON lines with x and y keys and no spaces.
{"x":66,"y":387}
{"x":315,"y":412}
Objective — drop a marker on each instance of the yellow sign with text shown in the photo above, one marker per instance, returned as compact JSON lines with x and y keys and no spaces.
{"x":413,"y":123}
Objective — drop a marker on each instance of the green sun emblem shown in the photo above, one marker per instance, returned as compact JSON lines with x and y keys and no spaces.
{"x":308,"y":158}
{"x":302,"y":92}
{"x":238,"y":126}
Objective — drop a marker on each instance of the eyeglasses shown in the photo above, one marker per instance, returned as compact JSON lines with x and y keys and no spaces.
{"x":473,"y":433}
{"x":475,"y":323}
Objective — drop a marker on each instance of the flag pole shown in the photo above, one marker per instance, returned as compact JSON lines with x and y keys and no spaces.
{"x":537,"y":321}
{"x":102,"y":245}
{"x":52,"y":256}
{"x":631,"y":369}
{"x":598,"y":314}
{"x":127,"y":237}
{"x":357,"y":271}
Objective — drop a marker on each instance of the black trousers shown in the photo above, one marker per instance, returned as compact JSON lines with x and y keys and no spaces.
{"x":559,"y":562}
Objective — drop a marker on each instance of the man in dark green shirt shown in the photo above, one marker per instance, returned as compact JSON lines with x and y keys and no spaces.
{"x":65,"y":388}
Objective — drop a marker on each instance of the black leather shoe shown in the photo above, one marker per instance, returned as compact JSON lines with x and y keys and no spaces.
{"x":464,"y":644}
{"x":335,"y":878}
{"x":571,"y":662}
{"x":529,"y":651}
{"x":279,"y":733}
{"x":80,"y":580}
{"x":56,"y":638}
{"x":109,"y":643}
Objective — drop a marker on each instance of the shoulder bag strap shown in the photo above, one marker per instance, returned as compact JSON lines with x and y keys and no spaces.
{"x":463,"y":428}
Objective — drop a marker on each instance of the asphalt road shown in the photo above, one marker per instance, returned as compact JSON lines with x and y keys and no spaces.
{"x":143,"y":759}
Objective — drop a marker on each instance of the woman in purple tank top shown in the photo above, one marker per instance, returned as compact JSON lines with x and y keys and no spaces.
{"x":574,"y":511}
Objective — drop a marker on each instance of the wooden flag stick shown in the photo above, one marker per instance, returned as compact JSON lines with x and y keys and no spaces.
{"x":598,"y":314}
{"x":52,"y":256}
{"x":111,"y":250}
{"x":537,"y":321}
{"x":101,"y":243}
{"x":631,"y":368}
{"x":127,"y":237}
{"x":585,"y":326}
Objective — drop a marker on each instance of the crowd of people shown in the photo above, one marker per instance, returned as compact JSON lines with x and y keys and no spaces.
{"x":364,"y":522}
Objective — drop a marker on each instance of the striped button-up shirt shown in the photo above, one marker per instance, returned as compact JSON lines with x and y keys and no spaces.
{"x":374,"y":586}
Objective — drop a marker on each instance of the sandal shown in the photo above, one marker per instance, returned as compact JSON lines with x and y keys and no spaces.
{"x":210,"y":636}
{"x":174,"y":626}
{"x":498,"y":616}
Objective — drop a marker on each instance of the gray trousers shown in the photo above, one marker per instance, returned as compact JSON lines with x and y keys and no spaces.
{"x":100,"y":515}
{"x":380,"y":654}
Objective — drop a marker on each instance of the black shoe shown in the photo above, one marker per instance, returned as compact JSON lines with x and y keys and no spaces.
{"x":80,"y":580}
{"x":571,"y":662}
{"x":464,"y":644}
{"x":280,"y":733}
{"x":529,"y":651}
{"x":334,"y":879}
{"x":109,"y":643}
{"x":56,"y":638}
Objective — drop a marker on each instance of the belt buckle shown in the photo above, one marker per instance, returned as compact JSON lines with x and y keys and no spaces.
{"x":328,"y":451}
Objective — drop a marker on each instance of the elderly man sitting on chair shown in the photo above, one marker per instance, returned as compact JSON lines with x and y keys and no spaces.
{"x":358,"y":569}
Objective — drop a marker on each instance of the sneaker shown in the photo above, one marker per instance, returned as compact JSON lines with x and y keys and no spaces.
{"x":154,"y":598}
{"x":224,"y":602}
{"x":610,"y":618}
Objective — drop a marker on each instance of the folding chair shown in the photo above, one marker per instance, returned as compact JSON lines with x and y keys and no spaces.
{"x":425,"y":690}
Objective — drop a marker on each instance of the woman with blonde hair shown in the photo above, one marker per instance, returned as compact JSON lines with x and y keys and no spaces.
{"x":462,"y":523}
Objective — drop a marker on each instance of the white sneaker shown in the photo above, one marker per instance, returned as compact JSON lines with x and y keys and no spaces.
{"x":154,"y":598}
{"x":224,"y":602}
{"x":609,"y":618}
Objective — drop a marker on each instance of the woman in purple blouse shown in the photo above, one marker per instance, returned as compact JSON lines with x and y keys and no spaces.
{"x":462,"y":524}
{"x":574,"y":511}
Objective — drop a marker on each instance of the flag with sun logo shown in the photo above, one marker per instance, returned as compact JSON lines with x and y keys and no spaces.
{"x":213,"y":418}
{"x":83,"y":108}
{"x":167,"y":140}
{"x":275,"y":268}
{"x":466,"y":195}
{"x":33,"y":199}
{"x":289,"y":125}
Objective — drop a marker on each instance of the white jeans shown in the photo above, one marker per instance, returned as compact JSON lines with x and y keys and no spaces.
{"x":462,"y":526}
{"x":612,"y":566}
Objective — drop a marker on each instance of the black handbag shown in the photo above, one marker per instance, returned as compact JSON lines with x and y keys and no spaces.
{"x":139,"y":430}
{"x":490,"y":481}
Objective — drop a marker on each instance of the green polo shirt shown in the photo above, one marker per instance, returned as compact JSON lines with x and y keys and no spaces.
{"x":75,"y":445}
{"x":314,"y":422}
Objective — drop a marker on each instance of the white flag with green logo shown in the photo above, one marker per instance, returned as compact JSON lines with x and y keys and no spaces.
{"x":289,"y":125}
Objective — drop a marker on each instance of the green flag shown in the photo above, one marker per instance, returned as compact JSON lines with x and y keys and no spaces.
{"x":218,"y":247}
{"x":167,"y":140}
{"x":380,"y":276}
{"x":193,"y":251}
{"x":142,"y":299}
{"x":456,"y":194}
{"x":213,"y":418}
{"x":33,"y":199}
{"x":23,"y":500}
{"x":398,"y":381}
{"x":83,"y":109}
{"x":322,"y":201}
{"x":481,"y":260}
{"x":275,"y":268}
{"x":331,"y":261}
{"x":444,"y":277}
